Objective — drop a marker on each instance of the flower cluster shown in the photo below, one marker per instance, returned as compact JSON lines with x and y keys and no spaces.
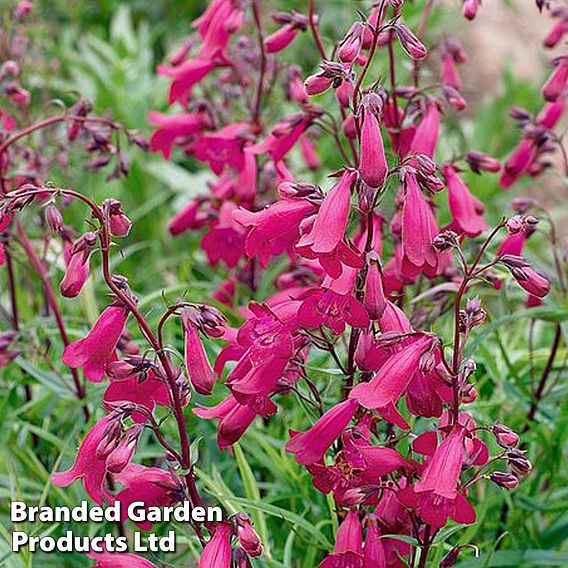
{"x":348,"y":241}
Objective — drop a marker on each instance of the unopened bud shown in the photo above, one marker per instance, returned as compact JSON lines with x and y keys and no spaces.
{"x":504,"y":436}
{"x":503,"y":479}
{"x":53,"y":218}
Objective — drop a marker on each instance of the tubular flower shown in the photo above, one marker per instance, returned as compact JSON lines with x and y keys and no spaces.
{"x":94,"y":352}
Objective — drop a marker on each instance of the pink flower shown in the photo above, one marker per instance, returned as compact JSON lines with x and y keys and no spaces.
{"x":529,"y":279}
{"x":225,"y":241}
{"x":217,"y":552}
{"x":247,"y":536}
{"x":309,"y":153}
{"x":145,"y":391}
{"x":467,"y":211}
{"x":97,"y":349}
{"x":436,"y":496}
{"x":201,"y":374}
{"x":90,"y":465}
{"x":392,"y":380}
{"x":188,"y":218}
{"x":234,"y":420}
{"x":425,"y":138}
{"x":470,"y":8}
{"x":310,"y":446}
{"x":375,"y":300}
{"x":119,"y":560}
{"x":418,"y":231}
{"x":153,"y":486}
{"x":518,"y":163}
{"x":325,"y":238}
{"x":373,"y":165}
{"x":77,"y":258}
{"x":275,"y":229}
{"x":374,"y":552}
{"x":187,"y":75}
{"x":172,"y":127}
{"x":333,"y":305}
{"x":223,"y":148}
{"x":348,"y":549}
{"x":281,"y":38}
{"x":556,"y":84}
{"x":283,"y":136}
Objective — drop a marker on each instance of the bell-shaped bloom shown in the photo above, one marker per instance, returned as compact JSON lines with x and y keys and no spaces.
{"x":201,"y":374}
{"x":172,"y":127}
{"x":373,"y":551}
{"x":310,"y":446}
{"x":333,"y":305}
{"x":309,"y":154}
{"x":418,"y":231}
{"x":551,"y":113}
{"x":373,"y":165}
{"x":223,"y":148}
{"x":245,"y":186}
{"x":348,"y":549}
{"x":147,"y":392}
{"x":217,"y":552}
{"x":234,"y":419}
{"x":556,"y":33}
{"x":283,"y":136}
{"x":466,"y":210}
{"x":517,"y":163}
{"x":120,"y":457}
{"x":324,"y":241}
{"x":154,"y":486}
{"x":425,"y":138}
{"x":187,"y":75}
{"x":188,"y":218}
{"x":281,"y":38}
{"x":89,"y":465}
{"x":556,"y":84}
{"x":274,"y":230}
{"x":77,"y":272}
{"x":225,"y":241}
{"x":119,"y":560}
{"x":97,"y":349}
{"x":450,"y":75}
{"x":436,"y":496}
{"x":375,"y":300}
{"x":390,"y":383}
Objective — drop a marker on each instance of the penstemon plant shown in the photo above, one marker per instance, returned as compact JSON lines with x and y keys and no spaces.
{"x":342,"y":292}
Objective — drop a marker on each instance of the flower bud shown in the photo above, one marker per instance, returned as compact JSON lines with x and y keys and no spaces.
{"x":520,"y":465}
{"x":445,"y":241}
{"x":247,"y":536}
{"x":53,"y":218}
{"x":528,"y":278}
{"x":120,"y":457}
{"x":504,"y":436}
{"x":478,"y":161}
{"x":506,"y":480}
{"x":410,"y":43}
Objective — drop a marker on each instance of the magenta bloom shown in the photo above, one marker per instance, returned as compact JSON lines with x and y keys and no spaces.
{"x":97,"y":349}
{"x":154,"y":486}
{"x":324,"y":240}
{"x":467,"y":211}
{"x":390,"y":383}
{"x":225,"y":241}
{"x":187,"y":75}
{"x":149,"y":392}
{"x":172,"y":127}
{"x":425,"y":138}
{"x":201,"y":374}
{"x":556,"y":84}
{"x":88,"y":467}
{"x":281,"y":38}
{"x":418,"y":231}
{"x":223,"y":148}
{"x":333,"y":305}
{"x":234,"y":420}
{"x":119,"y":560}
{"x":217,"y":552}
{"x":375,"y":300}
{"x":77,"y":271}
{"x":518,"y":163}
{"x":436,"y":496}
{"x":373,"y":165}
{"x":310,"y":446}
{"x":374,"y":552}
{"x":188,"y":218}
{"x":274,"y":230}
{"x":348,"y":549}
